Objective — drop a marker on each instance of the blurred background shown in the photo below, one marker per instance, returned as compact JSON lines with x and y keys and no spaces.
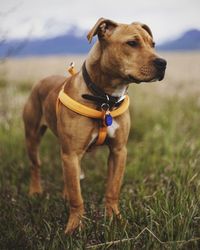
{"x":38,"y":38}
{"x":161,"y":185}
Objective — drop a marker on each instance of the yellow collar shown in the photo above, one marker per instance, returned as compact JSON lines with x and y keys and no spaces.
{"x":90,"y":112}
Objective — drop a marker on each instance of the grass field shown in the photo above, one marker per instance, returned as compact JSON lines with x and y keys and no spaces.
{"x":160,"y":198}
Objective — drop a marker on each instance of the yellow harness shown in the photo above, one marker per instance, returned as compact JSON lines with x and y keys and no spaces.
{"x":90,"y":112}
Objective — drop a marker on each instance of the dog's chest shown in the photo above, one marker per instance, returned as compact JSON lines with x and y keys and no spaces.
{"x":112,"y":129}
{"x":111,"y":132}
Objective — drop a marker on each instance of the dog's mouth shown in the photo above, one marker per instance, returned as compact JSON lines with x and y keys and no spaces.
{"x":159,"y":77}
{"x":132,"y":79}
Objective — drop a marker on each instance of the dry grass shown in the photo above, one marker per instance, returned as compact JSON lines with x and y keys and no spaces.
{"x":182,"y":77}
{"x":35,"y":68}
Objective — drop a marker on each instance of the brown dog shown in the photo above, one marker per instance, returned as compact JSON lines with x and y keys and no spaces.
{"x":123,"y":54}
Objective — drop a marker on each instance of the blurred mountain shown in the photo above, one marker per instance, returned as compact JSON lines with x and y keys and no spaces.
{"x":70,"y":43}
{"x":60,"y":45}
{"x":190,"y":40}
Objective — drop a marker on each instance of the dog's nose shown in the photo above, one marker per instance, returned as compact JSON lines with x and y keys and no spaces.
{"x":160,"y":63}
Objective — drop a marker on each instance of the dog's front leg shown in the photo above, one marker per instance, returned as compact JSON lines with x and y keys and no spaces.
{"x":116,"y":166}
{"x":71,"y":172}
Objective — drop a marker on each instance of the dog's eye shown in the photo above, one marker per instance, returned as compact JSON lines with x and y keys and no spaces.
{"x":132,"y":43}
{"x":153,"y":45}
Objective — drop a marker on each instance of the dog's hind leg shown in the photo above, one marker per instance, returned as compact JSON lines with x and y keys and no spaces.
{"x":33,"y":133}
{"x":32,"y":144}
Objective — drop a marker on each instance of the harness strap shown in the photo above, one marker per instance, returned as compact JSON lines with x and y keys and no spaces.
{"x":101,"y":136}
{"x":58,"y":100}
{"x":90,"y":112}
{"x":87,"y":111}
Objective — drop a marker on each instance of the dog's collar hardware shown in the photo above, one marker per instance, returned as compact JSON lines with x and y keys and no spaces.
{"x":105,"y":115}
{"x":105,"y":106}
{"x":99,"y":96}
{"x":108,"y":119}
{"x":71,"y":68}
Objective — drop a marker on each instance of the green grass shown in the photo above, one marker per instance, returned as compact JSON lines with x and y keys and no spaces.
{"x":160,"y":197}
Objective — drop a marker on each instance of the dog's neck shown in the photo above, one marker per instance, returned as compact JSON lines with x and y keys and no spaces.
{"x":105,"y":80}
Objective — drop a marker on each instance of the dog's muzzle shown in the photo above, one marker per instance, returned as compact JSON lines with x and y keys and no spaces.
{"x":160,"y":65}
{"x":159,"y":72}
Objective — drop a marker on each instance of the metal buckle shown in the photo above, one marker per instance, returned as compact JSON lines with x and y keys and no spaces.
{"x":121,"y":99}
{"x":105,"y":107}
{"x":107,"y":97}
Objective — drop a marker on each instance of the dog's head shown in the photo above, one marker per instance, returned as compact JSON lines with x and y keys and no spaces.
{"x":127,"y":51}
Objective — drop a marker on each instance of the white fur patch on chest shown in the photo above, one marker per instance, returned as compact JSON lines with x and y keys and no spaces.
{"x":120,"y":91}
{"x":112,"y":129}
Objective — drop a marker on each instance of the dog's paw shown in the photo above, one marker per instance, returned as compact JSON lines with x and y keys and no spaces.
{"x":35,"y":189}
{"x":74,"y":223}
{"x":114,"y":216}
{"x":75,"y":219}
{"x":112,"y":210}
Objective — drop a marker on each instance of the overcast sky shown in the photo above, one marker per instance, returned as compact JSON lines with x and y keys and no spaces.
{"x":40,"y":18}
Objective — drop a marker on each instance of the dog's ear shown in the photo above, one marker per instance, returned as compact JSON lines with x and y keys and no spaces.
{"x":148,"y":30}
{"x":145,"y":27}
{"x":103,"y":27}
